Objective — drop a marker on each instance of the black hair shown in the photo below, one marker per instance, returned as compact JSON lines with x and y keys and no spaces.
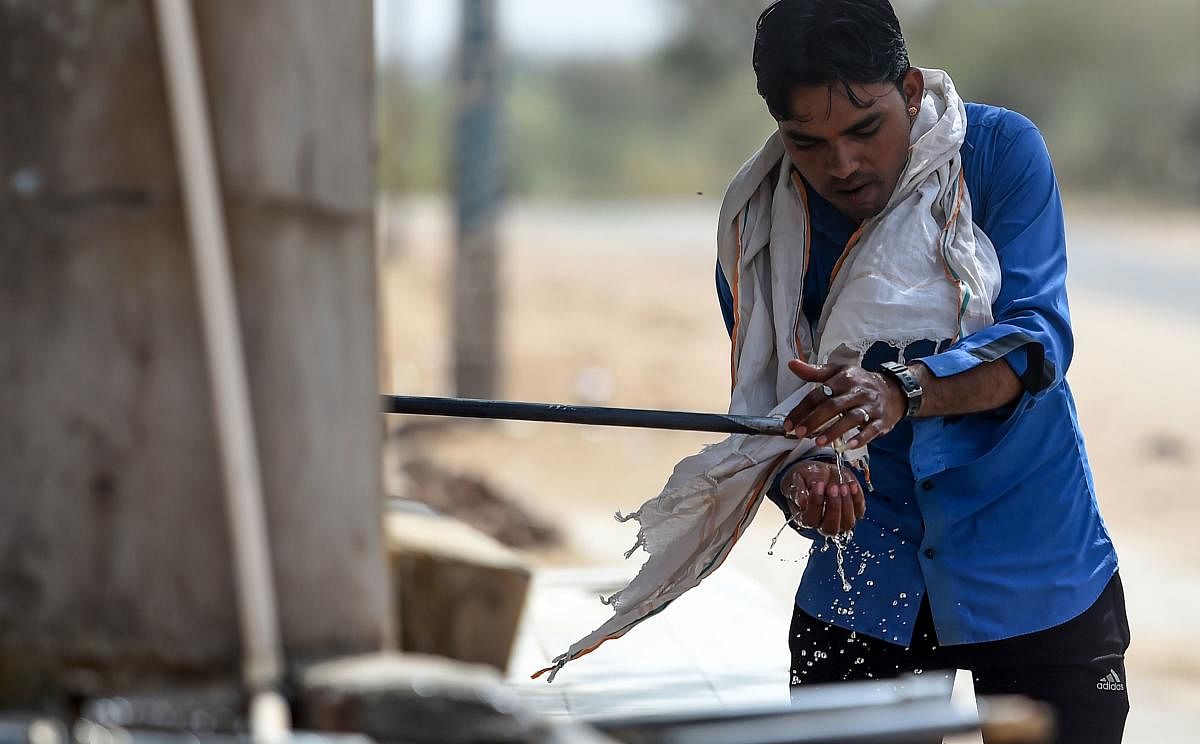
{"x":826,"y":42}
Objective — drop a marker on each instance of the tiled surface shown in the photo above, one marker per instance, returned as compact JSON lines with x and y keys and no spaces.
{"x":722,"y":645}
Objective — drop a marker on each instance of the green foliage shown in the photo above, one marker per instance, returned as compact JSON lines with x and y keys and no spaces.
{"x":413,"y":132}
{"x":1113,"y":85}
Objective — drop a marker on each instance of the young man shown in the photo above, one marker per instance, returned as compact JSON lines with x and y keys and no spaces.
{"x":905,"y":254}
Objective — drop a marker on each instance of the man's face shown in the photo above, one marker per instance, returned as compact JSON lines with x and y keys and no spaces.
{"x":853,"y":156}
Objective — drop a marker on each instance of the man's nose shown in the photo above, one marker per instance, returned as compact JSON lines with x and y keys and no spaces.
{"x":843,"y":160}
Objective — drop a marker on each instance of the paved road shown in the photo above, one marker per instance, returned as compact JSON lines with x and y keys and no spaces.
{"x":1113,"y":261}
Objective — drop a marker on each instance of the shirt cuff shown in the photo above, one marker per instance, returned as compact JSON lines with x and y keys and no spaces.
{"x":950,"y":363}
{"x":956,"y":361}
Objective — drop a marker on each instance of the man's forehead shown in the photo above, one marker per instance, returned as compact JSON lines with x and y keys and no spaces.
{"x":821,"y":103}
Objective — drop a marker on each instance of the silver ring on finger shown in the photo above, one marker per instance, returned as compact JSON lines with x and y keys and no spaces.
{"x":828,"y":391}
{"x":866,"y":417}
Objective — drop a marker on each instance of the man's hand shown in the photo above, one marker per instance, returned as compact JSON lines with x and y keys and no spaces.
{"x":820,"y":501}
{"x":849,"y":397}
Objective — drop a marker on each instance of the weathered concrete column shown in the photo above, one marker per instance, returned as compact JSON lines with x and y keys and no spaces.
{"x":114,"y":557}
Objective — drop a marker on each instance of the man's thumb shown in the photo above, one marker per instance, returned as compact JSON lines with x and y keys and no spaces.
{"x":811,"y":372}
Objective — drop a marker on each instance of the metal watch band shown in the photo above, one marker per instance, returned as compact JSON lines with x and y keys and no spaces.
{"x":908,"y":384}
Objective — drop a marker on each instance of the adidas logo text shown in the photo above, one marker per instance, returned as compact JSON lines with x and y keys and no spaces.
{"x":1111,"y":682}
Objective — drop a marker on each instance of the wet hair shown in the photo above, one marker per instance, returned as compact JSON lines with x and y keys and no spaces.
{"x":826,"y":42}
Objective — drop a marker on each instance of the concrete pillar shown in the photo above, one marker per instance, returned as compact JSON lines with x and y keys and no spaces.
{"x":114,"y":558}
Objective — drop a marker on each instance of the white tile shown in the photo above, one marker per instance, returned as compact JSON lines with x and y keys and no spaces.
{"x":722,"y":645}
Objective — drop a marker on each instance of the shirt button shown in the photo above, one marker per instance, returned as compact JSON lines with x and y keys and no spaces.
{"x":927,"y":485}
{"x":930,"y":552}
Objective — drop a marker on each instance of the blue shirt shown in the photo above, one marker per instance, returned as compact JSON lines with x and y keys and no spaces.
{"x":992,"y":516}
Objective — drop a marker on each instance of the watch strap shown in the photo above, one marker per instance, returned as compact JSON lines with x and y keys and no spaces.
{"x":908,"y":385}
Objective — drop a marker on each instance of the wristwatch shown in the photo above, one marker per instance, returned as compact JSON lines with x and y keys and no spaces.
{"x":908,"y":385}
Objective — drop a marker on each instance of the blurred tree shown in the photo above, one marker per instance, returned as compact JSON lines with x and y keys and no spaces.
{"x":1111,"y":84}
{"x":715,"y":38}
{"x":411,"y":120}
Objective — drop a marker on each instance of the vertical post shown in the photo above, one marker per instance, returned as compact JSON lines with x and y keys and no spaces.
{"x":477,"y":165}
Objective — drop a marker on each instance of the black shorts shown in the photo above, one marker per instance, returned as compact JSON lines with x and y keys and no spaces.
{"x":1078,"y":668}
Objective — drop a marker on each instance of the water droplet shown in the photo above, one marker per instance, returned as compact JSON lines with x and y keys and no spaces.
{"x":771,"y":547}
{"x":26,"y":182}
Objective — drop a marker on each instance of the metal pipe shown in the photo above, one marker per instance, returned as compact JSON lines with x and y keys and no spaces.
{"x":589,"y":415}
{"x":261,"y":651}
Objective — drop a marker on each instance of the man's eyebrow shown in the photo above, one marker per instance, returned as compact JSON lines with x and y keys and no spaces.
{"x":865,"y":123}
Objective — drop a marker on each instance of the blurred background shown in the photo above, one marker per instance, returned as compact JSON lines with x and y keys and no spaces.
{"x":657,"y":98}
{"x":509,"y":199}
{"x":617,"y":127}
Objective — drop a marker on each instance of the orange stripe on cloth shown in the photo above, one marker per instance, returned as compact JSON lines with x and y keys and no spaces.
{"x":743,"y":520}
{"x":962,"y":187}
{"x":798,"y":182}
{"x":853,"y":241}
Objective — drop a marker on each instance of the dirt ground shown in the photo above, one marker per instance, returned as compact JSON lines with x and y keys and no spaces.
{"x":614,"y":304}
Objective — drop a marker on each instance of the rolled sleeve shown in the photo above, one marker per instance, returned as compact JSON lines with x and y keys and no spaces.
{"x":1023,"y":217}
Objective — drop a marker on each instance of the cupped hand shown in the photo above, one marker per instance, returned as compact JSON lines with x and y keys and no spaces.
{"x":822,"y":498}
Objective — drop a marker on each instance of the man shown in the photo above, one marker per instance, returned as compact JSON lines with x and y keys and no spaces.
{"x":981,"y":546}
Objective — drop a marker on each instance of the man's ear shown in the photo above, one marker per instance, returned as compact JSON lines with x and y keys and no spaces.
{"x":913,"y":87}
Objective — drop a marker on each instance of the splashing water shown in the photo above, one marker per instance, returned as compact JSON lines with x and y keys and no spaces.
{"x":841,"y":542}
{"x":782,"y":527}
